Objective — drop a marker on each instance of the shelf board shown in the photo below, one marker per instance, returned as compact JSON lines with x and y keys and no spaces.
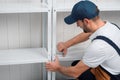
{"x":108,"y":6}
{"x":23,"y":56}
{"x":102,"y":5}
{"x":63,"y":8}
{"x":60,"y":9}
{"x":22,"y":7}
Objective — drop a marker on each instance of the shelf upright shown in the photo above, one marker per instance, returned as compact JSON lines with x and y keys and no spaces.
{"x":54,"y":14}
{"x":48,"y":39}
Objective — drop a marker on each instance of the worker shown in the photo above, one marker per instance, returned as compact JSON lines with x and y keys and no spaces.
{"x":101,"y":58}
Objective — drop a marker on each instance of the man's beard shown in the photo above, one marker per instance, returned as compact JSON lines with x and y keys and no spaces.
{"x":85,"y":29}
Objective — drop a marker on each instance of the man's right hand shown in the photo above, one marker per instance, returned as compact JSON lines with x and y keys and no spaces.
{"x":61,"y":47}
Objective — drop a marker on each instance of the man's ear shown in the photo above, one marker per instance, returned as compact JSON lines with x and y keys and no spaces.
{"x":86,"y":21}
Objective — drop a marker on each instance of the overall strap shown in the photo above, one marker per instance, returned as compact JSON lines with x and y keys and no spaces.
{"x":116,"y":25}
{"x":109,"y":42}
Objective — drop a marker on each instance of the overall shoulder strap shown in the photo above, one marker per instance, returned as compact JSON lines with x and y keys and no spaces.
{"x":109,"y":42}
{"x":116,"y":25}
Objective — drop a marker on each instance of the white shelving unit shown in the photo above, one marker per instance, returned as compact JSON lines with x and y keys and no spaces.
{"x":50,"y":11}
{"x":64,"y":7}
{"x":29,"y":55}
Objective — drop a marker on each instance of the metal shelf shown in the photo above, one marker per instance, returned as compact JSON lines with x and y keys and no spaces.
{"x":23,"y":56}
{"x":102,"y":5}
{"x":22,"y":7}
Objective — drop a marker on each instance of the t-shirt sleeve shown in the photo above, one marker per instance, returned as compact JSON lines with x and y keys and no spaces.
{"x":95,"y":54}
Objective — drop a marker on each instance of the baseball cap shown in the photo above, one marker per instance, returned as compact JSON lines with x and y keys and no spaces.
{"x":81,"y":10}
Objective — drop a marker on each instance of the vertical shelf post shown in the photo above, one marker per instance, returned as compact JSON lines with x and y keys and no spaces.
{"x":54,"y":15}
{"x":49,"y":41}
{"x":47,"y":33}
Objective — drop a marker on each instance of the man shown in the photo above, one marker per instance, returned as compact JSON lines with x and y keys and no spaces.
{"x":101,"y":59}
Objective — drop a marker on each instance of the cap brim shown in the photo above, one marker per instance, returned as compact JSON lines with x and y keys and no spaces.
{"x":69,"y":20}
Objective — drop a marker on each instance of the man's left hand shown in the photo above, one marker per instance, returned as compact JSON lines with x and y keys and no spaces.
{"x":53,"y":66}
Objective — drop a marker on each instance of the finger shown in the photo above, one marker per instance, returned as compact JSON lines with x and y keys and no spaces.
{"x":60,"y":46}
{"x":60,"y":49}
{"x":47,"y":63}
{"x":56,"y":59}
{"x":49,"y":69}
{"x":65,"y":52}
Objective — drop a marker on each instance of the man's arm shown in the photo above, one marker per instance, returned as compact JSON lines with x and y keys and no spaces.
{"x":77,"y":39}
{"x":72,"y":71}
{"x":62,"y":46}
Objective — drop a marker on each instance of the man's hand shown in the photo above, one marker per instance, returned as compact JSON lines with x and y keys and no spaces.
{"x":61,"y":47}
{"x":53,"y":66}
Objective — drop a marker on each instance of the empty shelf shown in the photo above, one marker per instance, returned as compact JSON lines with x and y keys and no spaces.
{"x":101,"y":5}
{"x":23,"y":56}
{"x":22,"y":7}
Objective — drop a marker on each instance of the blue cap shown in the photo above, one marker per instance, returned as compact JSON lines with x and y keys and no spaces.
{"x":81,"y":10}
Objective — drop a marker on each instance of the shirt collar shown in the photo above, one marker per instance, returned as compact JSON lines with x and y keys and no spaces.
{"x":97,"y":32}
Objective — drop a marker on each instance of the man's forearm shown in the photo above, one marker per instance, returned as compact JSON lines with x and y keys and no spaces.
{"x":68,"y":71}
{"x":77,"y":39}
{"x":74,"y":71}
